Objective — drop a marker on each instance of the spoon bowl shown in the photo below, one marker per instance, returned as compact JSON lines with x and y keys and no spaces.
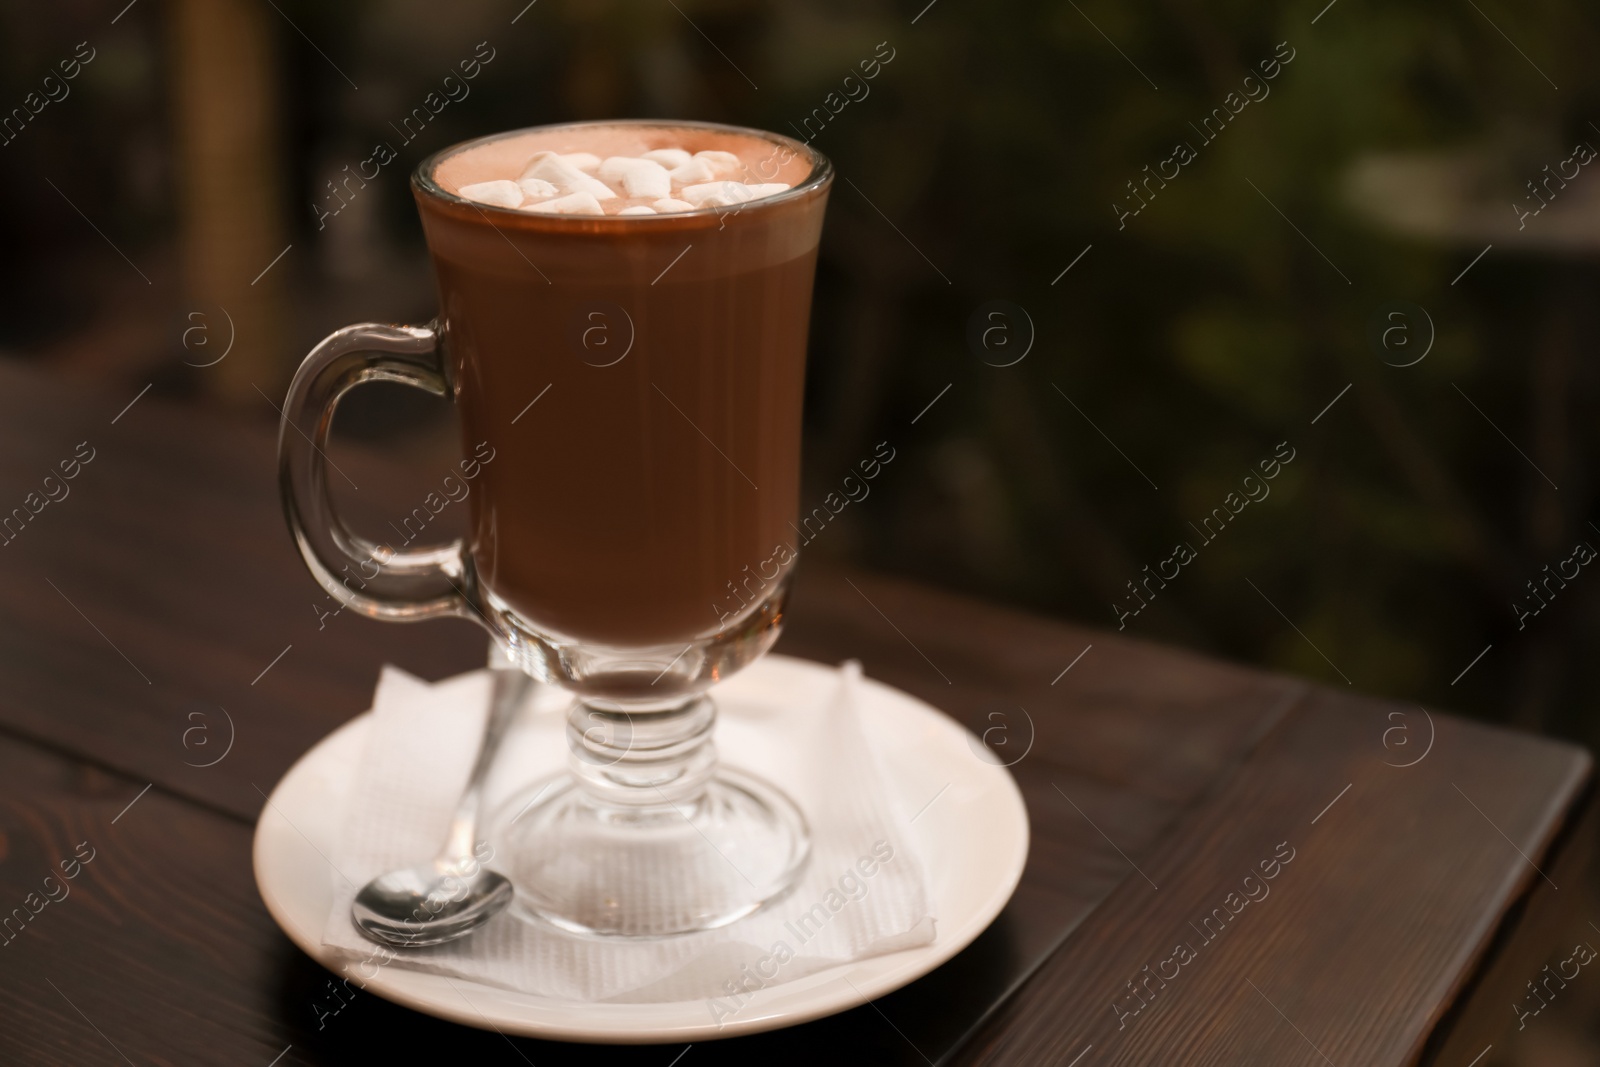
{"x":429,"y":905}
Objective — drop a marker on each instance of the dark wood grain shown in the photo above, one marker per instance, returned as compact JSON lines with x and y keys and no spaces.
{"x":165,"y":584}
{"x":1159,"y":720}
{"x":1541,"y":927}
{"x":147,"y":605}
{"x":1392,"y":902}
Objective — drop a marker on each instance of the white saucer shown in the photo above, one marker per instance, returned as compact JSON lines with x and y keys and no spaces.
{"x":970,"y":830}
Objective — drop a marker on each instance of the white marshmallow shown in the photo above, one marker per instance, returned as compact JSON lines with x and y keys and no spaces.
{"x":585,"y":161}
{"x":667,"y":157}
{"x":722,"y":164}
{"x":537,"y":188}
{"x":638,"y":177}
{"x":500,"y":193}
{"x":692,"y":172}
{"x":668,"y":204}
{"x":717,"y":194}
{"x":573,"y":204}
{"x":566,"y":177}
{"x":638,"y":209}
{"x":768,"y":189}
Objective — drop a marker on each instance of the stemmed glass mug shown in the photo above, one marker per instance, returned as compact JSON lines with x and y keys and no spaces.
{"x":629,"y":389}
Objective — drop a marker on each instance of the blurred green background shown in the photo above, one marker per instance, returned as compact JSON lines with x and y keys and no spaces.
{"x":989,"y":154}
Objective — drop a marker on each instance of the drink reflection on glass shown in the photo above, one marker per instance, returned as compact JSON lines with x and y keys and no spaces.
{"x":622,"y":326}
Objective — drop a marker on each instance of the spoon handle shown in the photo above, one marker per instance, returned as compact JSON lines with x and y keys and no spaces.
{"x":509,"y":688}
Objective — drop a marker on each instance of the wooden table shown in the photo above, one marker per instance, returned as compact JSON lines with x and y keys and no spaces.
{"x":161,"y":601}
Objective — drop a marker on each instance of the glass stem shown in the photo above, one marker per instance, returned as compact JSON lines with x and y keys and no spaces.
{"x":640,"y":760}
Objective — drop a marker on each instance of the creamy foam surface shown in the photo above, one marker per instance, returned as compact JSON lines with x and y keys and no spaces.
{"x":621,"y":168}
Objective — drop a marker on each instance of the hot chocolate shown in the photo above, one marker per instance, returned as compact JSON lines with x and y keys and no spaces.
{"x":639,"y":374}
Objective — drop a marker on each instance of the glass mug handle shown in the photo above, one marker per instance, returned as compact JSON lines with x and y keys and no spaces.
{"x":374,"y":579}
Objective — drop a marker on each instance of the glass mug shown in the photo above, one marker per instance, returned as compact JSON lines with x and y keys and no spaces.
{"x":630,"y":392}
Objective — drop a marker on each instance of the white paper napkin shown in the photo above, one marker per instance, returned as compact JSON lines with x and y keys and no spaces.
{"x":808,"y":740}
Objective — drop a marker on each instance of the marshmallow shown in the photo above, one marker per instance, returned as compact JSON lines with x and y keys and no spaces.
{"x":717,"y":194}
{"x":768,"y":189}
{"x":574,"y":204}
{"x":638,"y":209}
{"x":722,"y":164}
{"x":537,"y":188}
{"x":692,"y":172}
{"x":567,"y":178}
{"x":668,"y":204}
{"x":638,"y":177}
{"x":667,"y":157}
{"x":500,"y":193}
{"x":584,"y":161}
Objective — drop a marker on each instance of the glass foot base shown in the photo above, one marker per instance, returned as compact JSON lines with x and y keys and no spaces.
{"x":593,"y":868}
